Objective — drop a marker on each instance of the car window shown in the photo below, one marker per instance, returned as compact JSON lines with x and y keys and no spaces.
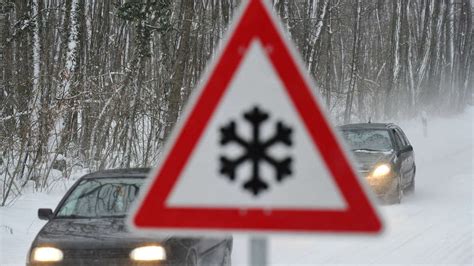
{"x":368,"y":139}
{"x":398,"y":139}
{"x":403,"y":137}
{"x":101,"y":197}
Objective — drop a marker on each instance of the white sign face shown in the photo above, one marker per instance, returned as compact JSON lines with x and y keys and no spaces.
{"x":254,"y":150}
{"x":309,"y":185}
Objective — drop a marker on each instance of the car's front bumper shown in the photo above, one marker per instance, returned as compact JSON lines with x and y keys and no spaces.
{"x":92,"y":257}
{"x":108,"y":261}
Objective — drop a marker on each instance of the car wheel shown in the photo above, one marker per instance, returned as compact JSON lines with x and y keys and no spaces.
{"x":192,"y":258}
{"x":226,"y":260}
{"x":396,"y":198}
{"x":411,"y":188}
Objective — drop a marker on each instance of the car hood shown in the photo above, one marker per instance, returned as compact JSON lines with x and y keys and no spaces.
{"x":91,"y":233}
{"x":367,"y":159}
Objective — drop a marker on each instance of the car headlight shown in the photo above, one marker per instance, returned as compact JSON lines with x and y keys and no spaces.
{"x":47,"y":254}
{"x":148,"y":253}
{"x":381,"y":170}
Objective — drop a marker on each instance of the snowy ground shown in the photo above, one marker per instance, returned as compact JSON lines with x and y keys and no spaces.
{"x":434,"y":226}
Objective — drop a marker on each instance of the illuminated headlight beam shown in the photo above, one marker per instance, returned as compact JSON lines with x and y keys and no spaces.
{"x":148,"y":253}
{"x":381,"y":170}
{"x":47,"y":254}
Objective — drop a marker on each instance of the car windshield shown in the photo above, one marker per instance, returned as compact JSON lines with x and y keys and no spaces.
{"x":368,"y":139}
{"x":101,"y":197}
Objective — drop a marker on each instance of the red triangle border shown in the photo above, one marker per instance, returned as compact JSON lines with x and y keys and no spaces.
{"x":152,"y":213}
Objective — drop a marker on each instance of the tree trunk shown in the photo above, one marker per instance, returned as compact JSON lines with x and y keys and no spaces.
{"x":175,"y":99}
{"x":353,"y":75}
{"x":395,"y":60}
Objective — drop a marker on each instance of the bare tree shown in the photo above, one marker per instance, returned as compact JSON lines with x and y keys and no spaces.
{"x":99,"y":84}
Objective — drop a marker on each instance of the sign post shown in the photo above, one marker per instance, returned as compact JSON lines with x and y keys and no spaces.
{"x":258,"y":251}
{"x":255,"y":151}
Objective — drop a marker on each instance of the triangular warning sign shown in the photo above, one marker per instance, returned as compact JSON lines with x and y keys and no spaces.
{"x":254,"y":150}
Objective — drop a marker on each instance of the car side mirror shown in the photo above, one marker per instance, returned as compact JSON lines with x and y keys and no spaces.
{"x":45,"y":214}
{"x":406,"y":149}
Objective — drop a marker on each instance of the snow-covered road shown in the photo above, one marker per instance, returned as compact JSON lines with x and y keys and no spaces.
{"x":434,"y":226}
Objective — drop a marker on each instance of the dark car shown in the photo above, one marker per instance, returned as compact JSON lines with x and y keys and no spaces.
{"x":88,"y":228}
{"x":384,"y":157}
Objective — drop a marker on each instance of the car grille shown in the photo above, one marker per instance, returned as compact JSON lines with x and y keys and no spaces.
{"x":92,"y":257}
{"x":101,"y":253}
{"x":363,"y":173}
{"x":96,"y":257}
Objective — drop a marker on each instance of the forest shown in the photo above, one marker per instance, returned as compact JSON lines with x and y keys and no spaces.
{"x":94,"y":84}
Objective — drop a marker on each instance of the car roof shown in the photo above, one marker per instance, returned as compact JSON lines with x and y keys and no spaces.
{"x":368,"y":126}
{"x":129,"y":172}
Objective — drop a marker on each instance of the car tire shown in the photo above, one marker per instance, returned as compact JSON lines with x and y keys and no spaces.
{"x":396,"y":198}
{"x":411,"y":188}
{"x":227,"y":260}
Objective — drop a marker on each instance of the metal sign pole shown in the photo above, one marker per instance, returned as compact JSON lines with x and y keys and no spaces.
{"x":258,"y":251}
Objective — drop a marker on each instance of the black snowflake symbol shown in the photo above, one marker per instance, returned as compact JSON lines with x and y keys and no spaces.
{"x":256,"y":151}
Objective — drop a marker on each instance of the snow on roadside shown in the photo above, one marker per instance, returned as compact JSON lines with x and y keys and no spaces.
{"x":446,"y":136}
{"x":19,"y":222}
